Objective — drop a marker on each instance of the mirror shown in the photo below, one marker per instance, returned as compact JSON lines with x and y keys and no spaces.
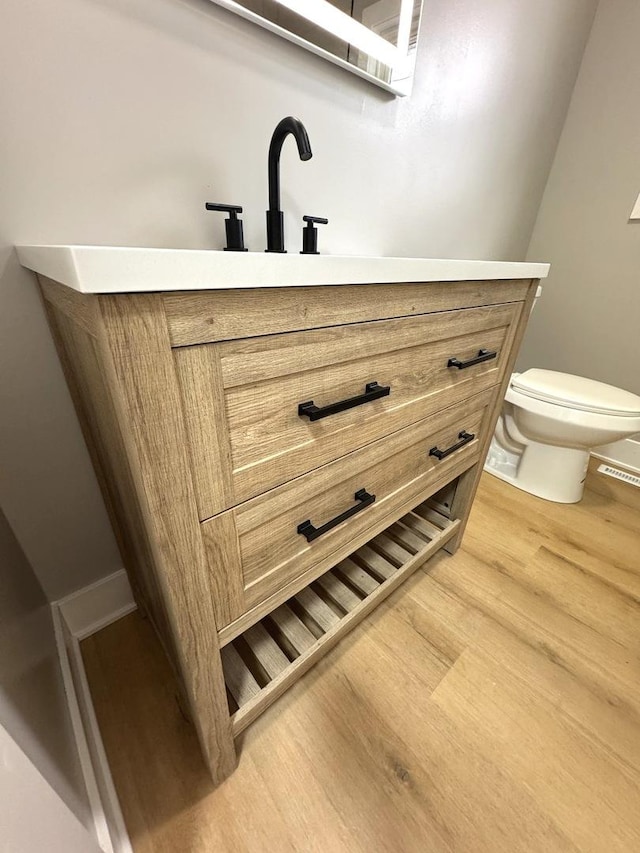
{"x":376,"y":39}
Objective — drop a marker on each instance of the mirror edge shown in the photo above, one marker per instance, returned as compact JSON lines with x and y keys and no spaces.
{"x":401,"y":88}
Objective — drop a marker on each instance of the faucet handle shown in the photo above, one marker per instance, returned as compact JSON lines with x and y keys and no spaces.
{"x":310,"y":234}
{"x":233,"y":225}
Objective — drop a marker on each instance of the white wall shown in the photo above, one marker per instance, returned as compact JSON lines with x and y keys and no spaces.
{"x":33,"y":707}
{"x":33,"y":816}
{"x":122,"y":117}
{"x":588,"y":320}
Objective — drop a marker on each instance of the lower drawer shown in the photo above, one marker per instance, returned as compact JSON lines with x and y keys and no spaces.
{"x":272,"y":654}
{"x":260,"y":547}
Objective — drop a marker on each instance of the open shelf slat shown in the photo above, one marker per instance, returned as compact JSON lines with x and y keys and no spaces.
{"x":286,"y":643}
{"x":240,"y":682}
{"x":420,"y":525}
{"x":390,"y":549}
{"x":374,"y":562}
{"x":295,"y":631}
{"x":338,"y":592}
{"x":430,"y":514}
{"x":357,"y":577}
{"x":267,"y":652}
{"x":317,"y":609}
{"x":407,"y":538}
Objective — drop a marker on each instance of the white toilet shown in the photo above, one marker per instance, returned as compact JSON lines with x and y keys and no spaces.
{"x":548,"y":425}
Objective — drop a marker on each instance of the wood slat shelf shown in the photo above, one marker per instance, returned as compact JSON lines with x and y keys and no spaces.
{"x":269,"y":657}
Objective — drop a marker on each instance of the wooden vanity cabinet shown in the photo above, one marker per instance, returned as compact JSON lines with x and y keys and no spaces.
{"x":276,"y":461}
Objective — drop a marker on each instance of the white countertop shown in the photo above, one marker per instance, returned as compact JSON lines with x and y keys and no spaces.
{"x":114,"y":269}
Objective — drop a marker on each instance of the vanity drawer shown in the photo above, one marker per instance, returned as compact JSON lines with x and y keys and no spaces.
{"x":242,"y":398}
{"x":260,"y":547}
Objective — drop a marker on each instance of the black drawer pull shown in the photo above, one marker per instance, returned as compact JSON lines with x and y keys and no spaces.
{"x":465,"y":438}
{"x":364,"y":500}
{"x":372,"y":391}
{"x":483,"y":355}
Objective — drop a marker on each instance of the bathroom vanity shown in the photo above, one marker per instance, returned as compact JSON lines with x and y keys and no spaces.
{"x":280,"y":440}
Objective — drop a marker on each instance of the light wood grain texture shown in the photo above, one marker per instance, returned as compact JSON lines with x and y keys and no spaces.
{"x":430,"y":516}
{"x":240,"y":681}
{"x":93,"y":398}
{"x":225,"y":568}
{"x":390,"y":549}
{"x":390,"y":469}
{"x":356,"y":576}
{"x":197,"y":317}
{"x":180,"y":435}
{"x":335,"y":628}
{"x":420,"y":525}
{"x":311,"y":603}
{"x":289,"y":589}
{"x":266,"y":442}
{"x":510,"y":727}
{"x":611,"y":489}
{"x":200,"y":381}
{"x":267,"y":652}
{"x":376,"y":563}
{"x":397,"y":470}
{"x":297,"y":634}
{"x":406,"y":537}
{"x":461,"y":333}
{"x":338,"y":592}
{"x":467,"y":485}
{"x":81,"y":308}
{"x":136,"y":353}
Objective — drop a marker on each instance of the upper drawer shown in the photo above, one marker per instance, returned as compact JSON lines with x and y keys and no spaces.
{"x":242,"y":398}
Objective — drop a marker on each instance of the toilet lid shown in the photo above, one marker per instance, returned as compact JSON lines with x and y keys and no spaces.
{"x":576,"y":392}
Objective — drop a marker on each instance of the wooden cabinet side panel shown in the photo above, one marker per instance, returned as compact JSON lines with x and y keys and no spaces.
{"x":96,"y":413}
{"x":82,"y":308}
{"x":136,"y":356}
{"x":468,"y":483}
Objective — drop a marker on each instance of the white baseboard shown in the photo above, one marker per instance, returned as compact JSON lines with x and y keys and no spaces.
{"x":625,"y":452}
{"x":97,"y":605}
{"x":76,"y":617}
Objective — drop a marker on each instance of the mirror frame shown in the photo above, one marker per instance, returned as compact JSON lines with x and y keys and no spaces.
{"x":402,"y":68}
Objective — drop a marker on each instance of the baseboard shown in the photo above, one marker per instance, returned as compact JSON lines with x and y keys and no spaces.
{"x":625,"y":453}
{"x":97,"y":605}
{"x":76,"y":617}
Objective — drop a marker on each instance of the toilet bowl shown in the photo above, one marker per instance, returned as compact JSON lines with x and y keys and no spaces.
{"x":549,"y":423}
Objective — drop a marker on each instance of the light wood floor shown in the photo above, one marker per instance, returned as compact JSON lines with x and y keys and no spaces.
{"x":491,"y":704}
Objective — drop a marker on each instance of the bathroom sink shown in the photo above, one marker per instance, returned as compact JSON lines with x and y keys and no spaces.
{"x":116,"y":269}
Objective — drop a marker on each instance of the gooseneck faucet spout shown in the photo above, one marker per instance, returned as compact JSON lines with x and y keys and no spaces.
{"x":275,"y":217}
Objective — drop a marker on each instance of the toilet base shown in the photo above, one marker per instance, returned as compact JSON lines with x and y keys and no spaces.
{"x":553,"y":473}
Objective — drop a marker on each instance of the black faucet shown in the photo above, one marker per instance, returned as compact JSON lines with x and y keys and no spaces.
{"x":275,"y":217}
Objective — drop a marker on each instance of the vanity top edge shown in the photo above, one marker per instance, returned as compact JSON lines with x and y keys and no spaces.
{"x":122,"y":269}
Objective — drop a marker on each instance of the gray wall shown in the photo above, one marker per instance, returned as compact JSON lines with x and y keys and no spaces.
{"x":588,"y":319}
{"x":33,"y":707}
{"x":121,"y":117}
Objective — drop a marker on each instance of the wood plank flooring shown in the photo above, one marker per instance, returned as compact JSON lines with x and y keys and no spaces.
{"x":491,"y":704}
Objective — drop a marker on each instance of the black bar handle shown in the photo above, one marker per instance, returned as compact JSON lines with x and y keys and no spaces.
{"x":372,"y":391}
{"x":310,"y":532}
{"x":465,"y":438}
{"x":483,"y":355}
